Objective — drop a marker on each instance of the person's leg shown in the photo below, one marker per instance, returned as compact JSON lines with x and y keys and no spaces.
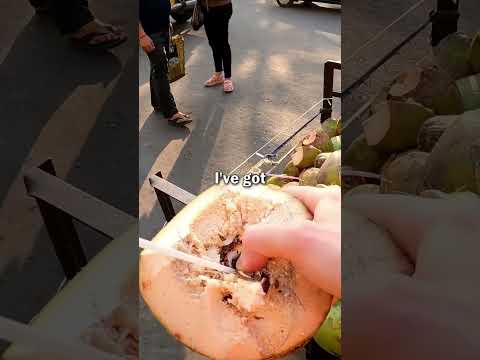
{"x":161,"y":95}
{"x":214,"y":39}
{"x":71,"y":15}
{"x":225,"y":45}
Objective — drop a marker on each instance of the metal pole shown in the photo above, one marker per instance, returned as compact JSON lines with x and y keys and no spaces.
{"x":444,"y":20}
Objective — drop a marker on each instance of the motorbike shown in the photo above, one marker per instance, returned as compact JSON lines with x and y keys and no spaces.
{"x":182,"y":10}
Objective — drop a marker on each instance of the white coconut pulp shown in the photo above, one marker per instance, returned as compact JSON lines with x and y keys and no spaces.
{"x":227,"y":316}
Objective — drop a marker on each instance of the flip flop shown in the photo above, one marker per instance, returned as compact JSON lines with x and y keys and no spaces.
{"x":179,"y":121}
{"x":84,"y":42}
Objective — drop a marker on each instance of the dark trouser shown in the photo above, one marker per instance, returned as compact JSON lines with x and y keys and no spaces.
{"x":161,"y":96}
{"x":216,"y":27}
{"x":71,"y":15}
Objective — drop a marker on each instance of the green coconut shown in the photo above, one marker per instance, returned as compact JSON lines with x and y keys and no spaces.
{"x":469,"y":90}
{"x":336,"y":143}
{"x":426,"y":85}
{"x":291,"y":170}
{"x":330,"y":171}
{"x":310,"y":177}
{"x":432,"y":130}
{"x":361,"y":157}
{"x":318,"y":139}
{"x":363,"y":189}
{"x":330,"y":126}
{"x":320,"y":159}
{"x":394,"y":127}
{"x":454,"y":163}
{"x":329,"y":336}
{"x":277,"y":181}
{"x":304,"y":156}
{"x":452,"y":55}
{"x":405,"y":173}
{"x":474,"y":54}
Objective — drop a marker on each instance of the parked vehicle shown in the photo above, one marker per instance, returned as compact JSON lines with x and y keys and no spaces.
{"x":287,"y":3}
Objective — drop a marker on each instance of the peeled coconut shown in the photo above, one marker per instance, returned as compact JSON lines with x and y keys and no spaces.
{"x":426,"y":85}
{"x":452,"y":55}
{"x":318,"y":139}
{"x":304,"y":156}
{"x":310,"y":177}
{"x":474,"y":54}
{"x":454,"y":163}
{"x":432,"y":130}
{"x":228,"y":316}
{"x":405,"y":173}
{"x":360,"y":156}
{"x":394,"y":127}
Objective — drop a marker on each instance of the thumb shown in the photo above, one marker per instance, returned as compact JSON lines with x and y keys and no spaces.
{"x":313,"y":250}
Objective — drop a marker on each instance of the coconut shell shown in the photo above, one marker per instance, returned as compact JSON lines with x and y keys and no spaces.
{"x":394,"y":127}
{"x":405,"y":173}
{"x":304,"y":156}
{"x":454,"y":163}
{"x":452,"y":55}
{"x":362,"y":157}
{"x":432,"y":130}
{"x":474,"y":54}
{"x":310,"y":177}
{"x":226,"y":317}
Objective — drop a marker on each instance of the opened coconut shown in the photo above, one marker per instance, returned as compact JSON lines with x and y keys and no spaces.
{"x":404,"y":173}
{"x":231,"y":316}
{"x":454,"y":163}
{"x":452,"y":55}
{"x":394,"y":127}
{"x":432,"y":130}
{"x":361,"y":156}
{"x":304,"y":156}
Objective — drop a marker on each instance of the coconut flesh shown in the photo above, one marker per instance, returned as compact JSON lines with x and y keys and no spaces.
{"x":229,"y":316}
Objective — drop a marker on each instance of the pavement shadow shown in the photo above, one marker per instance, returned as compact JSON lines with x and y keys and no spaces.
{"x":32,"y":89}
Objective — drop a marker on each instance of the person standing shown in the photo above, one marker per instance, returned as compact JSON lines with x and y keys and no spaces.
{"x":217,"y":15}
{"x":154,"y":37}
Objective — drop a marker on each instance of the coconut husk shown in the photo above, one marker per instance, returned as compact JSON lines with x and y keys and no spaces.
{"x":474,"y":54}
{"x":330,"y":170}
{"x":318,"y":139}
{"x":330,"y":126}
{"x":394,"y":127}
{"x":432,"y":130}
{"x":405,"y":173}
{"x":304,"y":156}
{"x":454,"y":163}
{"x":362,"y":157}
{"x":291,"y":170}
{"x":452,"y":55}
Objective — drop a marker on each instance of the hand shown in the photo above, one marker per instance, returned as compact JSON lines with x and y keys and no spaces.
{"x":313,"y":247}
{"x":146,"y":43}
{"x":434,"y":312}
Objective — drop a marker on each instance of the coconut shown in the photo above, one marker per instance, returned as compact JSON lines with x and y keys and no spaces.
{"x":329,"y":336}
{"x":310,"y":177}
{"x":474,"y":54}
{"x":426,"y":85}
{"x":318,"y":139}
{"x":320,"y":159}
{"x":452,"y":55}
{"x":469,"y":90}
{"x":304,"y":156}
{"x":454,"y":163}
{"x":330,"y":170}
{"x":363,"y":189}
{"x":404,"y":173}
{"x":432,"y":130}
{"x":228,"y":316}
{"x":362,"y":157}
{"x":277,"y":181}
{"x":394,"y":127}
{"x":291,"y":170}
{"x":336,"y":143}
{"x":330,"y":126}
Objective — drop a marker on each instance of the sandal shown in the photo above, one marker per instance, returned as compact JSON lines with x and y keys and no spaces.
{"x":85,"y":42}
{"x":216,"y":79}
{"x":228,"y":86}
{"x":179,"y":120}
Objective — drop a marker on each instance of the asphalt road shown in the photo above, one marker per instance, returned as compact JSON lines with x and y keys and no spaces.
{"x":76,"y":108}
{"x":278,"y":57}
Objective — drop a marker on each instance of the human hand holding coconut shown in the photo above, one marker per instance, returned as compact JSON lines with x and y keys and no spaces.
{"x":434,"y":307}
{"x":313,"y":247}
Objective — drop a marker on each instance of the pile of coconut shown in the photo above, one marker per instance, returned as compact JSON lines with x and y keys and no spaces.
{"x":423,"y":132}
